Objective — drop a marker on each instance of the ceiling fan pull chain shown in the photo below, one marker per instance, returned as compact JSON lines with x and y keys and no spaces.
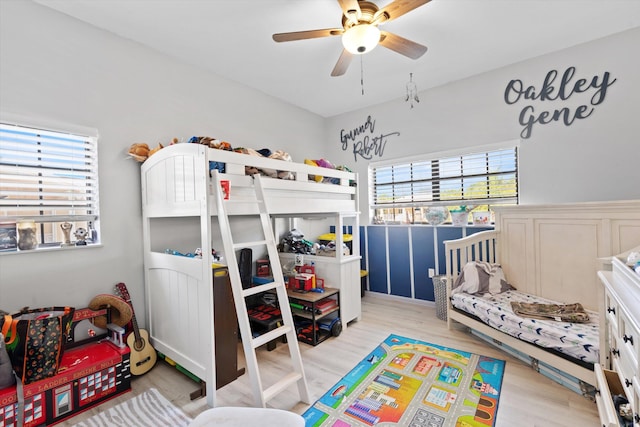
{"x":361,"y":75}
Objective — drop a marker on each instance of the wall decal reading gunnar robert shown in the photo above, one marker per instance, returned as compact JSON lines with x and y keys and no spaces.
{"x":364,"y":142}
{"x":516,"y":91}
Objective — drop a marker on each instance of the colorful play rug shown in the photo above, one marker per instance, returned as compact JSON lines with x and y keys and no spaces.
{"x":407,"y":382}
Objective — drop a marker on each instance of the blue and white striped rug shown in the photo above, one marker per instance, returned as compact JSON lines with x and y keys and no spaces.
{"x":148,"y":409}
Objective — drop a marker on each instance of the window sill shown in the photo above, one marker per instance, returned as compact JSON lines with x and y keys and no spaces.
{"x":439,"y":225}
{"x":50,"y":249}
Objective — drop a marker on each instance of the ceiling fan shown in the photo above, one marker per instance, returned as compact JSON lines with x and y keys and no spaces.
{"x":360,"y":32}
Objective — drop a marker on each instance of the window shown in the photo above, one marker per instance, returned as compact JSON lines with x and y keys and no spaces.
{"x":48,"y":187}
{"x":401,"y":192}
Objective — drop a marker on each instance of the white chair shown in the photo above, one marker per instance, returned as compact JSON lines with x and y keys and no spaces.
{"x":226,"y":416}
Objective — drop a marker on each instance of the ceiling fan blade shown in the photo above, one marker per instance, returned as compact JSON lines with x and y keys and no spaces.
{"x":351,"y":10}
{"x":342,"y":64}
{"x":310,"y":34}
{"x":401,"y":45}
{"x":396,"y":9}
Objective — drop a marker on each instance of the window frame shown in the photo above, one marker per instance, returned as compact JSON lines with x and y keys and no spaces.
{"x":65,"y":142}
{"x":435,"y":182}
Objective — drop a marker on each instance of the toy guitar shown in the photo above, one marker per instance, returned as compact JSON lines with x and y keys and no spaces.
{"x":143,"y":356}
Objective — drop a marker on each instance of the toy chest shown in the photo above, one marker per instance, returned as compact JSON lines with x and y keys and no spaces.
{"x":89,"y":375}
{"x":93,"y":369}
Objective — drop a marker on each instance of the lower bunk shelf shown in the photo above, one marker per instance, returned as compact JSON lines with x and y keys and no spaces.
{"x":323,"y":329}
{"x":569,"y":381}
{"x":316,"y":315}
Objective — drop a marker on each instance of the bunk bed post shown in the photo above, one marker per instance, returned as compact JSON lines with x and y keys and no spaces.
{"x":202,"y":175}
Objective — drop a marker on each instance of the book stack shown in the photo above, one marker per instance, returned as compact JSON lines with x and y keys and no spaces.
{"x":320,"y":307}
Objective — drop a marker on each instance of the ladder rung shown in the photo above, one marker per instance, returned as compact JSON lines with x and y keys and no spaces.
{"x":260,"y":288}
{"x":281,"y":385}
{"x":250,"y":244}
{"x":270,"y":336}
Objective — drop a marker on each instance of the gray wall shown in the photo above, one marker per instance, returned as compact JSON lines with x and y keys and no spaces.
{"x":54,"y":67}
{"x":594,"y":159}
{"x":58,"y":68}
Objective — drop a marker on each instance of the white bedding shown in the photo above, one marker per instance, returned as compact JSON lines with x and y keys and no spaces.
{"x":578,"y":340}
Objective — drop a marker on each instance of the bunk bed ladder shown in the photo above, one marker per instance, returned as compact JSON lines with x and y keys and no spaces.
{"x":250,"y":343}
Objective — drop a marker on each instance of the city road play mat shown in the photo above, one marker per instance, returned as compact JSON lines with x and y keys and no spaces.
{"x":407,"y":382}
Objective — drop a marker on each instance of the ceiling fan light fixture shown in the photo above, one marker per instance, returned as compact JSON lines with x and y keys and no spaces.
{"x":361,"y":38}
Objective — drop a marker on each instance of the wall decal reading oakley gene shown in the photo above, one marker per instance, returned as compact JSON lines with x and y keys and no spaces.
{"x":364,"y":142}
{"x":516,"y":91}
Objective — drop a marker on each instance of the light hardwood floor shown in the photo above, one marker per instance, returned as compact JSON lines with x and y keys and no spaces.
{"x":528,"y":399}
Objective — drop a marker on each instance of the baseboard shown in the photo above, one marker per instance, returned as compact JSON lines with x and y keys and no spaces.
{"x":405,"y":300}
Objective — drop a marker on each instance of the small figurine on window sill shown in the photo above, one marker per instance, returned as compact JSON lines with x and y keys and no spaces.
{"x":81,"y":235}
{"x":66,"y":229}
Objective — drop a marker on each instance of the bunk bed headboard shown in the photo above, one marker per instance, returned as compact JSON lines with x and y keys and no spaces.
{"x":553,"y":251}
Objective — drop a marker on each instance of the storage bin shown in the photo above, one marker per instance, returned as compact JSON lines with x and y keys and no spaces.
{"x":331,"y":237}
{"x":440,"y":293}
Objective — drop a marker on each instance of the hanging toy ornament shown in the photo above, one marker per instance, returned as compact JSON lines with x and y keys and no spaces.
{"x":412,"y":91}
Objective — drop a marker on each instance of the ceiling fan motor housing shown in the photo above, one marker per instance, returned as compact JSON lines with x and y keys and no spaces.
{"x":360,"y":35}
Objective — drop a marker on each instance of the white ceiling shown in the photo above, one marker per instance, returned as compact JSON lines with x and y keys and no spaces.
{"x":232,"y":38}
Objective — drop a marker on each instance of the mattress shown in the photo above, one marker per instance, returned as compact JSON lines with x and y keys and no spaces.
{"x":577,"y":340}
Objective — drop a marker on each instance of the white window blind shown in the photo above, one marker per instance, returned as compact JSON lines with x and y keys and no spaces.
{"x":47,"y":176}
{"x":488,"y":177}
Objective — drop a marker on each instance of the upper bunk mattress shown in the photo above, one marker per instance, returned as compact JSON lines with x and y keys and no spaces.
{"x":578,"y":340}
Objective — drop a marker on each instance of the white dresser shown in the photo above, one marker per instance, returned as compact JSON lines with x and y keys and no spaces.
{"x":619,"y":370}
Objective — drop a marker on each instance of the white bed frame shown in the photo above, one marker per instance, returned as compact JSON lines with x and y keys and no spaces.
{"x":552,"y":251}
{"x":178,"y":210}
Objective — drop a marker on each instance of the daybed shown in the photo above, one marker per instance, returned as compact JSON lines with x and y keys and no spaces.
{"x":551,"y":253}
{"x":179,"y":214}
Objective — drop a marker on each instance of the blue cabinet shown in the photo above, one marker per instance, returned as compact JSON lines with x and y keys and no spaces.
{"x":398,"y":258}
{"x":399,"y":261}
{"x":377,"y":258}
{"x":423,"y":259}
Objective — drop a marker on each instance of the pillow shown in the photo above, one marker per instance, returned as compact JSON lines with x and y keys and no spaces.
{"x":479,"y":277}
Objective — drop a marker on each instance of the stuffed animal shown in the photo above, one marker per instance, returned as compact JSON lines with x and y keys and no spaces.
{"x":155,"y":150}
{"x":139,"y":151}
{"x":7,"y":378}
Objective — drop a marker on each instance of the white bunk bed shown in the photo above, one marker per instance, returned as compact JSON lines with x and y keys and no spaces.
{"x":179,"y":214}
{"x":553,"y":252}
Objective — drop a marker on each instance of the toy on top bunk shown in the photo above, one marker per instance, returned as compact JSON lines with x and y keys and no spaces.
{"x":326,"y":164}
{"x":265,"y":152}
{"x":212,"y":143}
{"x":140,"y":151}
{"x":249,"y":170}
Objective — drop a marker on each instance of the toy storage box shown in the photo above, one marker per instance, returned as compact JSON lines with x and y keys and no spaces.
{"x":89,"y":375}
